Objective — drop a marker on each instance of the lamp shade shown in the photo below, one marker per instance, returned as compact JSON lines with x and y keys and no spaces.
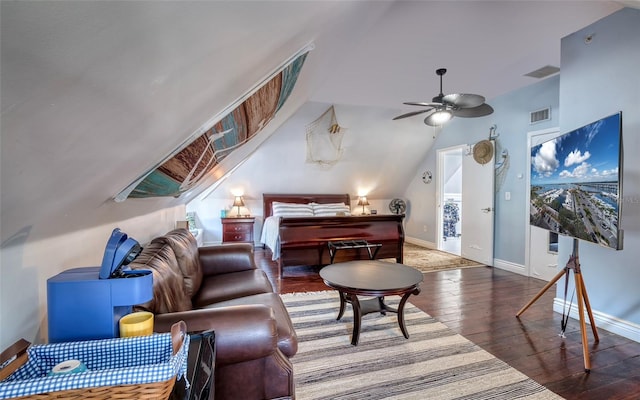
{"x":238,"y":201}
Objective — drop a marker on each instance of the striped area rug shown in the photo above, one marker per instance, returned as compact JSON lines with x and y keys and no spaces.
{"x":434,"y":363}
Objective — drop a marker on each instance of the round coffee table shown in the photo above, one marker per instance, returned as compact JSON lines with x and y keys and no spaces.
{"x":371,"y":278}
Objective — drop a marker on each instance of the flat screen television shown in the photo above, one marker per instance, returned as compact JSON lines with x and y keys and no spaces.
{"x":576,"y":183}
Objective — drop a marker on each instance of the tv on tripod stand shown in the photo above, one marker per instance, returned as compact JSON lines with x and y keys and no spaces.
{"x":576,"y":183}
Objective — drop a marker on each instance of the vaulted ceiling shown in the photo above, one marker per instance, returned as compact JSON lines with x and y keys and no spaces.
{"x":94,"y":94}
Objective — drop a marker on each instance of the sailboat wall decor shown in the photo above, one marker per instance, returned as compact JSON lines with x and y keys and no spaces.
{"x":193,"y":160}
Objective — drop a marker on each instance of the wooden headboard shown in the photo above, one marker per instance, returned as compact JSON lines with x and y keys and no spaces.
{"x":269,"y":198}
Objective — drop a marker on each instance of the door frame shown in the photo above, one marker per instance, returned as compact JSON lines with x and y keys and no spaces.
{"x":440,"y":188}
{"x":527,"y":229}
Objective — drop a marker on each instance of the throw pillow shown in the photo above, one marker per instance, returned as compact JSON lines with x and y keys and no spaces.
{"x":330,"y":209}
{"x":291,"y":210}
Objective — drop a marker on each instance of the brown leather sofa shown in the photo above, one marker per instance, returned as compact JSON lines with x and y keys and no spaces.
{"x":220,"y":288}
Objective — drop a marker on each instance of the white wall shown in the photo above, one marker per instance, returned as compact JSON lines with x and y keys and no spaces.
{"x":599,"y":79}
{"x":27,"y":264}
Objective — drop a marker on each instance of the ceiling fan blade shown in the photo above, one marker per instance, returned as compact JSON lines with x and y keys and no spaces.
{"x":422,"y":104}
{"x":411,"y":114}
{"x":464,"y":100}
{"x":479,"y":111}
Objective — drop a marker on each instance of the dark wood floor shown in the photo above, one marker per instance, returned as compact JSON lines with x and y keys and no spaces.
{"x":481,"y":303}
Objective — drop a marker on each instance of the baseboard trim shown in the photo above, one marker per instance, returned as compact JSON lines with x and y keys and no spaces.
{"x":509,"y":266}
{"x":420,"y":242}
{"x":604,"y":321}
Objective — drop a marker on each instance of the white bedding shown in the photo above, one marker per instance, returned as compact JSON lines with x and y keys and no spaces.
{"x":270,"y":236}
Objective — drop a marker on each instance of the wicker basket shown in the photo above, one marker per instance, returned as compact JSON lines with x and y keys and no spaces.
{"x":149,"y":391}
{"x":178,"y":341}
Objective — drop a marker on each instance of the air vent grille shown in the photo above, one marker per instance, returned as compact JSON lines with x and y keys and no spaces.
{"x":543,"y":72}
{"x":540,"y":115}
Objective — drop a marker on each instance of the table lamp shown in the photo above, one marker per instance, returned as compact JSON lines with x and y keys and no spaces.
{"x":362,"y":201}
{"x":238,"y":202}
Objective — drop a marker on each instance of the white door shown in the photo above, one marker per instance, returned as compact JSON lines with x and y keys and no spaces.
{"x":477,"y":209}
{"x":541,"y":254}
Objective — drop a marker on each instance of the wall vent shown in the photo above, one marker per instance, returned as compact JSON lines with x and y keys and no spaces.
{"x":540,"y":115}
{"x":543,"y":72}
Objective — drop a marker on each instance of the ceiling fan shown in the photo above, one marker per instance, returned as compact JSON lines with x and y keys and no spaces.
{"x":444,"y":107}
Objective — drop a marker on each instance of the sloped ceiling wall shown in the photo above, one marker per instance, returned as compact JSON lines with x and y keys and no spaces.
{"x":94,"y":94}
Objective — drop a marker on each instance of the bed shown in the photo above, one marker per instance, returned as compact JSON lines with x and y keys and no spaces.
{"x":303,"y":237}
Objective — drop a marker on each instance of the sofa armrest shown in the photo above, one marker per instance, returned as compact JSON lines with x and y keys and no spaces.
{"x":243,"y":333}
{"x":226,"y":258}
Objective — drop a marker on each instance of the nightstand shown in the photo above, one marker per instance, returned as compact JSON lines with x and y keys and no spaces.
{"x":238,"y":229}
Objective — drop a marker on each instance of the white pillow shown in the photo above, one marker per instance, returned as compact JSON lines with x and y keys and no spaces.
{"x":330,"y":209}
{"x":291,"y":209}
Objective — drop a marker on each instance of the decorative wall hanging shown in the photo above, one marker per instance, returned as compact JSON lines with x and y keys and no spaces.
{"x":227,"y":131}
{"x":483,"y":151}
{"x":427,"y":176}
{"x":502,"y":159}
{"x":324,"y":139}
{"x":501,"y":168}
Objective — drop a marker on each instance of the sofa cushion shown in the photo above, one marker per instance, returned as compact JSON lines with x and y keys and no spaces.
{"x":226,"y":258}
{"x":185,"y":248}
{"x":168,"y":285}
{"x":223,"y":287}
{"x":287,"y":338}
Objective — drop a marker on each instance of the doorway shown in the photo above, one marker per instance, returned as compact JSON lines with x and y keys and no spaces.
{"x":450,"y":200}
{"x":541,"y":254}
{"x":469,"y":185}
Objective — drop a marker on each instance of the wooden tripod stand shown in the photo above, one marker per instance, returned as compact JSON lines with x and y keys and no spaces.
{"x":583,"y":301}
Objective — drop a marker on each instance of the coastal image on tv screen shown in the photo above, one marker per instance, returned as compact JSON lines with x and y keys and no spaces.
{"x":575,"y":183}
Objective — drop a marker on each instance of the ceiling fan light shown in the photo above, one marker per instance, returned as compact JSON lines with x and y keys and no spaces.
{"x":440,"y":117}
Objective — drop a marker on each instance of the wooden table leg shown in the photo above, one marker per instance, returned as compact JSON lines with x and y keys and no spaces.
{"x":357,"y":318}
{"x":404,"y":299}
{"x":342,"y":305}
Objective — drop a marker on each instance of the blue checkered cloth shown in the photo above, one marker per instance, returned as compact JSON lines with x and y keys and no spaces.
{"x":109,"y":362}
